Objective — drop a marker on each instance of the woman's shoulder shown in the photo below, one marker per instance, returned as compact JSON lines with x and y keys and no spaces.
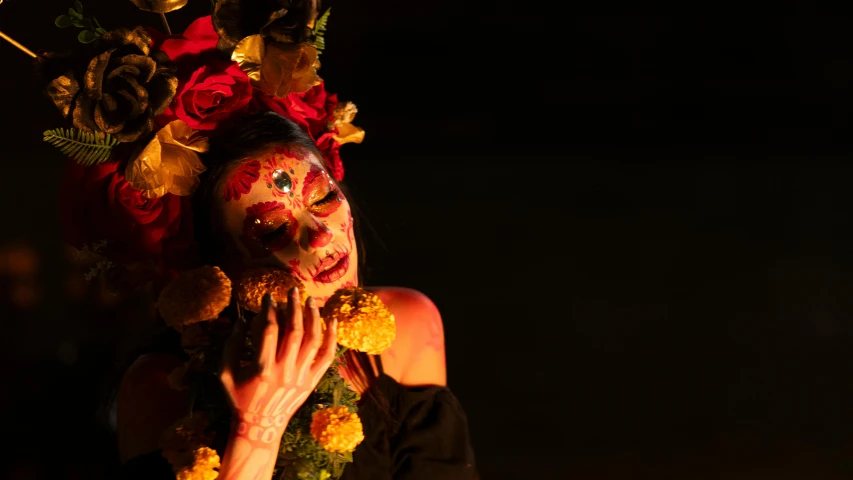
{"x":417,"y":355}
{"x":146,"y":403}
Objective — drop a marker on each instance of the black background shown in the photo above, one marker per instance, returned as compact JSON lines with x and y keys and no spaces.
{"x":636,"y":228}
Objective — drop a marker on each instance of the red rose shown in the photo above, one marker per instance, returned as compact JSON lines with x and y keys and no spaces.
{"x":313,"y":109}
{"x":211,"y":96}
{"x":193,"y":48}
{"x":98,"y":204}
{"x":331,"y":150}
{"x":211,"y":88}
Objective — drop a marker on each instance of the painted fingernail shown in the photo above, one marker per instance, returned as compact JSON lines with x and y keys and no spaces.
{"x":295,"y":292}
{"x":310,"y":302}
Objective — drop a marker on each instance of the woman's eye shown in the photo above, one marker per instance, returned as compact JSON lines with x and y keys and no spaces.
{"x":272,"y":235}
{"x":332,"y":195}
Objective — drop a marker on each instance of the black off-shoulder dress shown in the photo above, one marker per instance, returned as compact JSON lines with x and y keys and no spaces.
{"x":424,"y":436}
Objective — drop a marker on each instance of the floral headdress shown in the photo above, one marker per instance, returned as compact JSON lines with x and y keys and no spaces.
{"x":142,"y":105}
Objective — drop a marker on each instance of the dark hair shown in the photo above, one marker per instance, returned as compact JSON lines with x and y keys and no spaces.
{"x":251,"y":136}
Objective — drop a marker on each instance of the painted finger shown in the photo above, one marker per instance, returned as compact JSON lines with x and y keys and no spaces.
{"x":292,"y":340}
{"x":231,"y":356}
{"x":327,"y":352}
{"x":311,"y":341}
{"x":265,"y":334}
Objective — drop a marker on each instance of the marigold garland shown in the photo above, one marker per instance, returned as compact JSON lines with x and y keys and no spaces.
{"x":257,"y":282}
{"x":364,"y":322}
{"x":337,"y":429}
{"x":205,"y":463}
{"x":194,"y":296}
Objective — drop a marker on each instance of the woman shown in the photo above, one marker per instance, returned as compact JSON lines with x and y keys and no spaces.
{"x":268,"y":199}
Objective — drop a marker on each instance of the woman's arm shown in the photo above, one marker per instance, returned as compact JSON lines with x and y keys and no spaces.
{"x":264,"y":392}
{"x":417,"y":355}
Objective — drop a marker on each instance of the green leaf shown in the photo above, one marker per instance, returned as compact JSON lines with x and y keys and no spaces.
{"x":320,"y":24}
{"x":74,"y":13}
{"x":97,"y":24}
{"x":85,"y":148}
{"x":87,"y":36}
{"x":319,"y":30}
{"x":78,"y":6}
{"x":63,"y":21}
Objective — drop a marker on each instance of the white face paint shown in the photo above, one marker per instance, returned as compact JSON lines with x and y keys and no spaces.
{"x":283,"y":209}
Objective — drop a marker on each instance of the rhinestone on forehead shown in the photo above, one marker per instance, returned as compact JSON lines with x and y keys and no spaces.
{"x":282,"y":181}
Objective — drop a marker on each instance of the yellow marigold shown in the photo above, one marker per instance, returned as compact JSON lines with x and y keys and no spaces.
{"x":195,"y":296}
{"x":337,"y":429}
{"x":205,"y":463}
{"x":256,"y":282}
{"x":364,"y":322}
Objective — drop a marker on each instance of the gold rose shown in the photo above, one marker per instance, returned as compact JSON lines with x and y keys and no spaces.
{"x":278,"y":69}
{"x":347,"y":132}
{"x":169,"y":163}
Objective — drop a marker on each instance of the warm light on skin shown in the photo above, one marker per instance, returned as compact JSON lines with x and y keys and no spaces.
{"x":295,"y":230}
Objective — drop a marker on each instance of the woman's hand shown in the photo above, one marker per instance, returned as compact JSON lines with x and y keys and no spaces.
{"x":291,"y":355}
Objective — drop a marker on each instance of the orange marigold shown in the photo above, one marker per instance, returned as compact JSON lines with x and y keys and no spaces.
{"x":256,"y":282}
{"x":364,"y":322}
{"x":337,"y":429}
{"x":195,"y":296}
{"x":205,"y":463}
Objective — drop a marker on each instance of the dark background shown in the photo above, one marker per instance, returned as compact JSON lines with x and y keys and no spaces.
{"x":636,"y":228}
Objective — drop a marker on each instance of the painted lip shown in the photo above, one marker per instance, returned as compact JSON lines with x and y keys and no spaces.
{"x":332,"y":268}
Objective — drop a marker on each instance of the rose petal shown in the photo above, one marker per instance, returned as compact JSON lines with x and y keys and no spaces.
{"x":106,"y":115}
{"x":94,"y":76}
{"x":146,"y":65}
{"x":139,"y":92}
{"x":62,"y":90}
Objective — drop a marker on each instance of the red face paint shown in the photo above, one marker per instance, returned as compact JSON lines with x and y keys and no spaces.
{"x":268,"y":227}
{"x":321,"y":235}
{"x":319,"y":193}
{"x":296,"y":269}
{"x":241,"y":179}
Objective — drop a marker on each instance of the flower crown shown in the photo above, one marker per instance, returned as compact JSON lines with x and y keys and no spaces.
{"x":143,"y":104}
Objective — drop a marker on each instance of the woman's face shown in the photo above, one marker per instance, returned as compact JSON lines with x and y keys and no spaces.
{"x":283,"y":209}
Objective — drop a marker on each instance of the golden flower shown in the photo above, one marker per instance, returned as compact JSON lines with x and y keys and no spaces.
{"x":337,"y":429}
{"x":159,"y":6}
{"x":169,"y":163}
{"x":205,"y":461}
{"x":255,"y":283}
{"x":120,"y":90}
{"x":347,"y":132}
{"x":364,"y":322}
{"x":284,"y":21}
{"x":278,"y":68}
{"x":194,"y":296}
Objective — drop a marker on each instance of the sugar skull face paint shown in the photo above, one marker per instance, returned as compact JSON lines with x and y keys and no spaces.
{"x":283,"y":209}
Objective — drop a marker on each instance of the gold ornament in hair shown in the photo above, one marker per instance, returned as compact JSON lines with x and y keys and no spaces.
{"x":169,"y":163}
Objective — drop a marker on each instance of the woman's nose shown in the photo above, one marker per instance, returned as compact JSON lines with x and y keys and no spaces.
{"x":316,"y":235}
